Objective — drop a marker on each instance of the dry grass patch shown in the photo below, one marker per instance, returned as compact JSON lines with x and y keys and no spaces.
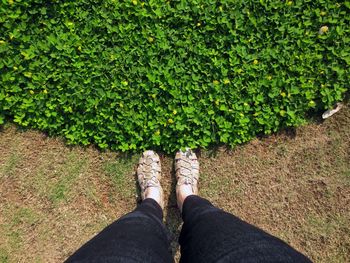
{"x":295,"y":185}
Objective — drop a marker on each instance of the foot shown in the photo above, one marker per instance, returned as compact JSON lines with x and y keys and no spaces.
{"x":148,"y":175}
{"x":187,"y":175}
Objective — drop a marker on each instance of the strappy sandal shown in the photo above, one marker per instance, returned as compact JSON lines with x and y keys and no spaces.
{"x":187,"y":169}
{"x":149,"y":173}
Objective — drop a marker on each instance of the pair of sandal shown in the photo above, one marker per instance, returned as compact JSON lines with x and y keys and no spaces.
{"x":149,"y":171}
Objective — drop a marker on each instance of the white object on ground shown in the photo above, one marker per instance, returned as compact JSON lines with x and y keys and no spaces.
{"x":329,"y":113}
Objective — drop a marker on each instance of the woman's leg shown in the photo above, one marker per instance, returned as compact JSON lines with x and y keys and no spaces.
{"x":212,"y":235}
{"x":139,"y":236}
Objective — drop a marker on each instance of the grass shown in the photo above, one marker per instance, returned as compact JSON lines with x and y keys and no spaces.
{"x":10,"y":165}
{"x":293,"y":185}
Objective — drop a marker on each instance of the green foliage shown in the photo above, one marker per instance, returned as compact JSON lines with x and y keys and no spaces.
{"x":131,"y":75}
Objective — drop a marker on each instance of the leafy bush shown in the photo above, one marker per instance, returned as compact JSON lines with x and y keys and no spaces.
{"x":130,"y":75}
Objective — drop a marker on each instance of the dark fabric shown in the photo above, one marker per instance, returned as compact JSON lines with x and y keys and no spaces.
{"x":139,"y":236}
{"x":208,"y":235}
{"x":212,"y":235}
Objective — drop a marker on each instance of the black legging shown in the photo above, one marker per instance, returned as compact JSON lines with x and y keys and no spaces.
{"x":208,"y":235}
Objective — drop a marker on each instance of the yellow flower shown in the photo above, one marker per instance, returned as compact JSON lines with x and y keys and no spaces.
{"x":269,"y":77}
{"x":28,"y":74}
{"x":2,"y":42}
{"x":226,"y":81}
{"x":282,"y":113}
{"x":170,"y":121}
{"x":174,"y":112}
{"x":289,"y":3}
{"x":79,"y":48}
{"x":220,"y":8}
{"x":323,"y":29}
{"x":323,"y":13}
{"x":311,"y":103}
{"x":255,"y":62}
{"x":245,"y":104}
{"x":157,"y":132}
{"x":45,"y":91}
{"x":31,"y":92}
{"x":150,"y":39}
{"x":134,"y":2}
{"x":15,"y":68}
{"x":283,"y":94}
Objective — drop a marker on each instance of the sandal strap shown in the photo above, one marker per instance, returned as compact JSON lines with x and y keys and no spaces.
{"x":187,"y":169}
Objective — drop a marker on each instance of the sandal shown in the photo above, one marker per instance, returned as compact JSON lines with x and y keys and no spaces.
{"x":149,"y":174}
{"x":187,"y":169}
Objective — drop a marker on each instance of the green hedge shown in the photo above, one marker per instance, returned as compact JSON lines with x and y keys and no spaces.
{"x":130,"y":75}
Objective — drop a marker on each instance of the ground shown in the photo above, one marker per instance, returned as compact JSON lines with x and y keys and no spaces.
{"x":295,"y":185}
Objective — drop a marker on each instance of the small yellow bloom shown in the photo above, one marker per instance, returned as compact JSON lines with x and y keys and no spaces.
{"x":31,"y":92}
{"x":323,"y":13}
{"x":255,"y":62}
{"x":245,"y":104}
{"x":269,"y":77}
{"x":289,"y":2}
{"x":28,"y":74}
{"x":199,"y":24}
{"x":2,"y":42}
{"x":45,"y":91}
{"x":170,"y":121}
{"x":283,"y":94}
{"x":282,"y":113}
{"x":79,"y":48}
{"x":323,"y":29}
{"x":216,"y":82}
{"x":311,"y":103}
{"x":157,"y":132}
{"x":15,"y":68}
{"x":226,"y":81}
{"x":220,"y":8}
{"x":322,"y":85}
{"x":174,"y":112}
{"x":150,"y":39}
{"x":121,"y":105}
{"x":134,"y":2}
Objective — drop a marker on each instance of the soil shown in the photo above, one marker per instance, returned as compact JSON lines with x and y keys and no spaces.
{"x":294,"y":185}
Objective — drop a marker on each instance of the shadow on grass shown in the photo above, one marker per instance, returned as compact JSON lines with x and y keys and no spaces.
{"x":173,"y":219}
